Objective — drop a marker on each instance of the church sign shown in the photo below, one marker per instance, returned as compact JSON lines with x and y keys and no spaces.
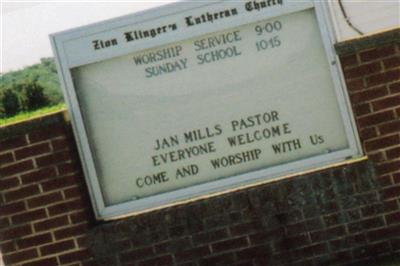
{"x":192,"y":98}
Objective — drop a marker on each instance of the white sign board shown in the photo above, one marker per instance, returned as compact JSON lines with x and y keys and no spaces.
{"x":191,"y":99}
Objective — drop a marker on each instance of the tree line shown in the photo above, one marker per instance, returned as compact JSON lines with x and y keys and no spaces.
{"x":29,"y":89}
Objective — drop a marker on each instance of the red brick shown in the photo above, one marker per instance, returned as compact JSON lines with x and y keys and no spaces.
{"x":34,"y":241}
{"x":368,"y":95}
{"x":392,"y":192}
{"x":192,"y":253}
{"x":176,"y":231}
{"x":54,"y":158}
{"x":362,"y":70}
{"x":396,"y":178}
{"x":383,"y":233}
{"x":45,"y":200}
{"x":164,"y":247}
{"x":29,"y":216}
{"x":16,"y":168}
{"x":350,"y":241}
{"x":4,"y":222}
{"x":254,"y":252}
{"x":51,"y":224}
{"x":349,"y":60}
{"x":78,"y":264}
{"x":266,"y":236}
{"x":390,"y":167}
{"x":328,"y":234}
{"x":332,"y":219}
{"x":311,"y":251}
{"x":385,"y":180}
{"x":32,"y":151}
{"x":246,"y":228}
{"x":314,"y":224}
{"x":43,"y":262}
{"x":68,"y":168}
{"x":390,"y":127}
{"x":79,"y":255}
{"x":383,"y":78}
{"x":74,"y":192}
{"x":297,"y":228}
{"x":7,"y":183}
{"x":79,"y":217}
{"x":390,"y":205}
{"x":393,"y":218}
{"x":89,"y":263}
{"x":370,"y":250}
{"x":377,"y":53}
{"x":161,"y":260}
{"x":71,"y":231}
{"x":376,"y":119}
{"x":220,"y":259}
{"x":84,"y":241}
{"x":342,"y":257}
{"x":362,"y":109}
{"x":292,"y":242}
{"x":393,"y":153}
{"x":229,"y":244}
{"x":394,"y":88}
{"x":60,"y":144}
{"x":355,"y":85}
{"x":57,"y":247}
{"x":211,"y":236}
{"x":16,"y":232}
{"x":12,"y":208}
{"x":368,"y":133}
{"x":395,"y":244}
{"x":22,"y":193}
{"x":66,"y":207}
{"x":13,"y":143}
{"x":392,"y":62}
{"x":137,"y":254}
{"x":47,"y":133}
{"x":6,"y":158}
{"x":60,"y":183}
{"x":382,"y":143}
{"x":39,"y":175}
{"x":20,"y":256}
{"x":7,"y":247}
{"x":305,"y":226}
{"x":376,"y":157}
{"x":365,"y":225}
{"x":281,"y":257}
{"x":385,"y":103}
{"x":379,"y":208}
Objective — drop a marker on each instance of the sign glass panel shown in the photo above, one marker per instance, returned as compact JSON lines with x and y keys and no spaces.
{"x":210,"y":107}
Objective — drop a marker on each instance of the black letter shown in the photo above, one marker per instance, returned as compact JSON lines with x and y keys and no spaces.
{"x":96,"y":44}
{"x":128,"y":36}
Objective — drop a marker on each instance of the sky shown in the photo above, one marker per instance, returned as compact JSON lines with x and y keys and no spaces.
{"x":26,"y":25}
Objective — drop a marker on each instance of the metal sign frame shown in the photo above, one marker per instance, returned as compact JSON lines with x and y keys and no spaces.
{"x":67,"y":46}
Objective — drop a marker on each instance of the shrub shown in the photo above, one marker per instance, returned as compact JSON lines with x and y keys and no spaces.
{"x":33,"y":95}
{"x":10,"y":102}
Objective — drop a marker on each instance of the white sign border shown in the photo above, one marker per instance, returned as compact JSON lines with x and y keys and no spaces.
{"x":65,"y":65}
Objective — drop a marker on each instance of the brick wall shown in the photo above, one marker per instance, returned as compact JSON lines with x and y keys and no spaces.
{"x":45,"y":212}
{"x":332,"y":217}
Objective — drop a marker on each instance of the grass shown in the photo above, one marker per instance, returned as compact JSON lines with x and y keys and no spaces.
{"x":29,"y":115}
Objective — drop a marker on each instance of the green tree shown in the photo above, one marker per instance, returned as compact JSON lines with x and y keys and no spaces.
{"x":33,"y":95}
{"x":10,"y":102}
{"x":45,"y":75}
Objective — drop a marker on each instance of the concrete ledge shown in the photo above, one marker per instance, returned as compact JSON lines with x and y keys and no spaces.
{"x":370,"y":41}
{"x":23,"y":127}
